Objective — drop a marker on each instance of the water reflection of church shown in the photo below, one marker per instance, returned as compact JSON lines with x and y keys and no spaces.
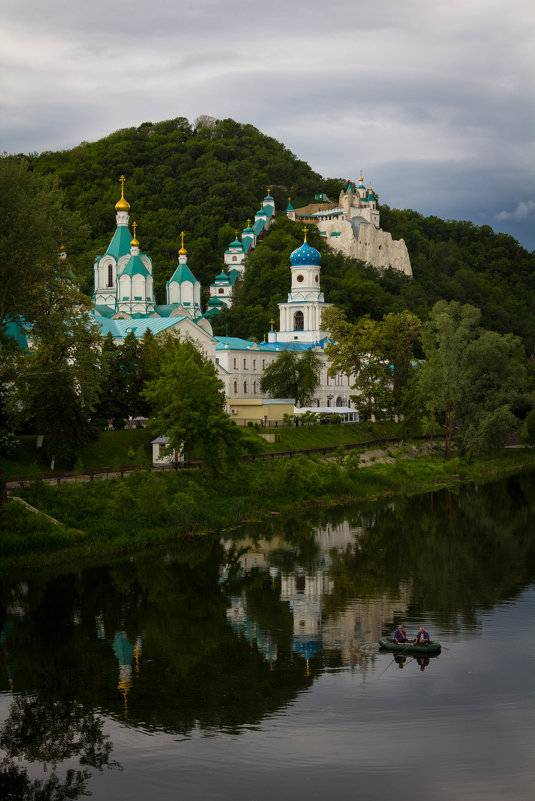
{"x":349,"y":630}
{"x":127,"y":652}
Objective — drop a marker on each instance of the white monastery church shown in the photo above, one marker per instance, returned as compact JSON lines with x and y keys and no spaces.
{"x":124,"y":301}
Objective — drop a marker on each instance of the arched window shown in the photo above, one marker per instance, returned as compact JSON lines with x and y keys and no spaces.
{"x":234,"y":258}
{"x":245,"y":387}
{"x":235,"y":387}
{"x":221,"y":290}
{"x":339,"y":401}
{"x":110,"y":275}
{"x":299,"y":321}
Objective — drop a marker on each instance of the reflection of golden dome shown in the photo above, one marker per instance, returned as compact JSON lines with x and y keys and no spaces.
{"x":123,"y":688}
{"x":122,"y":204}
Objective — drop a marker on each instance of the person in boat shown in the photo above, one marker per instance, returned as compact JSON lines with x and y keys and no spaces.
{"x":400,"y":637}
{"x":422,"y":638}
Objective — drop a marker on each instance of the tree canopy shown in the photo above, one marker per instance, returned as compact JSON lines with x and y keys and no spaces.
{"x":472,"y":380}
{"x":35,"y":226}
{"x":187,"y":403}
{"x":377,"y":354}
{"x":54,"y":390}
{"x":292,"y":375}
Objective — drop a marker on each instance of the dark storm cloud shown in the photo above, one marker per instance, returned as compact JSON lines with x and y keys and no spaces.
{"x":419,"y":91}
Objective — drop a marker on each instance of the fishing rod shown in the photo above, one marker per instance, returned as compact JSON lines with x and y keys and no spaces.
{"x":394,"y":659}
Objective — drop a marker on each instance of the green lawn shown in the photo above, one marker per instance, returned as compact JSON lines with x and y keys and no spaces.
{"x":320,"y":436}
{"x":121,"y":448}
{"x":112,"y":449}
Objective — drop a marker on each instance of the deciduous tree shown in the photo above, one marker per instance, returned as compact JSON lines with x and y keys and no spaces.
{"x":471,"y":379}
{"x":35,"y":225}
{"x":187,"y":403}
{"x":292,"y":376}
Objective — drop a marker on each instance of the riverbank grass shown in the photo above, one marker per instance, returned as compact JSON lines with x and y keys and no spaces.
{"x":116,"y":449}
{"x":146,"y":508}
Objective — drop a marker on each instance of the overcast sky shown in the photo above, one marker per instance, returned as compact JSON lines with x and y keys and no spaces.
{"x":434,"y":100}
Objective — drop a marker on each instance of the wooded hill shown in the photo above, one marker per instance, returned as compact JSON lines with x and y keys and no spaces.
{"x":209,"y":179}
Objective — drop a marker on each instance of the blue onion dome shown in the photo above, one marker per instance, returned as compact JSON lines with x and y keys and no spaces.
{"x":305,"y":255}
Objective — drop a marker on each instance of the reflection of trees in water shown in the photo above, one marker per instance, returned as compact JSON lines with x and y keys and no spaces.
{"x":452,"y":553}
{"x":460,"y":552}
{"x":50,"y":732}
{"x":194,"y":670}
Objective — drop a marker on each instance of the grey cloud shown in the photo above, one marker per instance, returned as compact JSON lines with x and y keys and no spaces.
{"x":436,"y":90}
{"x":525,"y":210}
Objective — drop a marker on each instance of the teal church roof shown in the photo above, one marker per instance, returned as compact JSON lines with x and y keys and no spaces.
{"x":182,"y":274}
{"x":120,"y":328}
{"x":289,"y":207}
{"x":233,"y":343}
{"x":134,"y":266}
{"x":165,"y":309}
{"x":120,"y":243}
{"x":103,"y":310}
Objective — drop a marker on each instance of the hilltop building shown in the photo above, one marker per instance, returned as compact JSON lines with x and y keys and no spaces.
{"x":352,"y":226}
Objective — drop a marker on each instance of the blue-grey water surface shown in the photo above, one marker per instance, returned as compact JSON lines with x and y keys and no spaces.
{"x":246,"y":667}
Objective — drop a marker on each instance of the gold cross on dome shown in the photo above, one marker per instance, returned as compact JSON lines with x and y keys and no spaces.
{"x":305,"y":231}
{"x":182,"y":237}
{"x":134,"y":226}
{"x":122,"y":179}
{"x":272,"y":323}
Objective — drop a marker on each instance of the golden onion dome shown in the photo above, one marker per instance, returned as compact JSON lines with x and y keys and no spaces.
{"x":182,"y":251}
{"x":122,"y":204}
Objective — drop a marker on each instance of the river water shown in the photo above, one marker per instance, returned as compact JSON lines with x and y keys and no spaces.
{"x":246,"y":666}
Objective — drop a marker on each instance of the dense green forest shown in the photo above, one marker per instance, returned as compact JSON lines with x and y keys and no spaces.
{"x":208,"y":179}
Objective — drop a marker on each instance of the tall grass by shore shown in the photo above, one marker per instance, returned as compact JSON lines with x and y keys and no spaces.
{"x":147,"y":508}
